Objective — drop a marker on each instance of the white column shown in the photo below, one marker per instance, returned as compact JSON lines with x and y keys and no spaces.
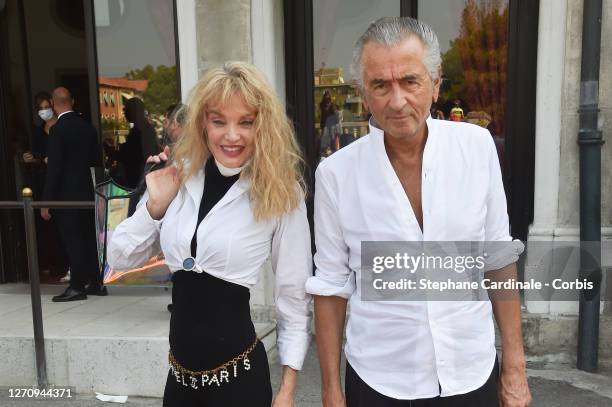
{"x":268,"y":54}
{"x":188,"y":48}
{"x":551,"y":62}
{"x":267,"y":36}
{"x":550,"y":76}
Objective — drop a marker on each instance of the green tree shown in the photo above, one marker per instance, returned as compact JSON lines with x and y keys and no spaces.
{"x":161,"y":91}
{"x":475,"y":66}
{"x":452,"y":71}
{"x":162,"y":87}
{"x":145,"y":73}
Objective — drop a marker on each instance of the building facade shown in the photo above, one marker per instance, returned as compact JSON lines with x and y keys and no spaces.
{"x":526,"y":90}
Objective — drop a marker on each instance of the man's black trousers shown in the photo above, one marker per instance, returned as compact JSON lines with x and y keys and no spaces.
{"x":359,"y":394}
{"x":78,"y":233}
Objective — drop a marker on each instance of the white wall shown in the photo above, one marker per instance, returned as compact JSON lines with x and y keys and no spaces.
{"x":188,"y":55}
{"x":267,"y":41}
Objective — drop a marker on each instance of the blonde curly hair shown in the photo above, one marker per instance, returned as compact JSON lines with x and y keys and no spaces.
{"x":275,"y":170}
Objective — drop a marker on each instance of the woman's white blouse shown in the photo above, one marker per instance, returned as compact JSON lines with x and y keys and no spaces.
{"x":232,"y":246}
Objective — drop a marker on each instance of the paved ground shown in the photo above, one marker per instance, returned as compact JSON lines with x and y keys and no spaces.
{"x":551,"y":385}
{"x":129,"y":312}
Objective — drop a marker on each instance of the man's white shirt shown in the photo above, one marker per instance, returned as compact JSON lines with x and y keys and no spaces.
{"x":61,"y":114}
{"x":412,"y":349}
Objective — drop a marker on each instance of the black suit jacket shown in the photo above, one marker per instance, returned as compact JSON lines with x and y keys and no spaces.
{"x":73,"y":148}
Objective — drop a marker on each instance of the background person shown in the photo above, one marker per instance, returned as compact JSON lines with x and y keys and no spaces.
{"x":176,"y":124}
{"x":52,"y":254}
{"x":324,"y":105}
{"x":166,"y":121}
{"x":456,"y":113}
{"x":140,"y":143}
{"x":73,"y":149}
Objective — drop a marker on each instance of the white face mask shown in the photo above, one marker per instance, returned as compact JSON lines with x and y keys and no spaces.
{"x":228,"y":172}
{"x":46,"y":114}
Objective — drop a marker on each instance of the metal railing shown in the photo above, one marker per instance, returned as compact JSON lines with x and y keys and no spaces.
{"x":28,"y":207}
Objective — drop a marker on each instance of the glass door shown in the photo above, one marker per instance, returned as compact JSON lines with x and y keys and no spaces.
{"x":138,"y":92}
{"x":136,"y":57}
{"x":339,"y":114}
{"x":473,"y":37}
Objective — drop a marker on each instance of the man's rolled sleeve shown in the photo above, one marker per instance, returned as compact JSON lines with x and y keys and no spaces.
{"x":333,"y":276}
{"x":501,"y":249}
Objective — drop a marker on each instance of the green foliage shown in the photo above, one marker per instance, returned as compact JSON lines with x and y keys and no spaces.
{"x":162,"y":90}
{"x":113,"y":127}
{"x":114,"y":124}
{"x":452,"y":69}
{"x":475,"y":67}
{"x":145,"y":73}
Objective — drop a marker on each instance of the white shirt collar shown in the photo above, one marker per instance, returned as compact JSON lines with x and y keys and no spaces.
{"x":61,"y":114}
{"x":377,"y":140}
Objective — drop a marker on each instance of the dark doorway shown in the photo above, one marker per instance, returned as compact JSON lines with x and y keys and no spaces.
{"x":42,"y":46}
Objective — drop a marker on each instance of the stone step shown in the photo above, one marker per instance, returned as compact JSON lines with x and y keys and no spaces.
{"x":113,"y":345}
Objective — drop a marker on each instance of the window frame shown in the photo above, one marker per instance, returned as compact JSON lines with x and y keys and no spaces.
{"x":519,"y":178}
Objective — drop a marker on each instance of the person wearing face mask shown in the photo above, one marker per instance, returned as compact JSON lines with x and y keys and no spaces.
{"x":230,"y":197}
{"x":38,"y":154}
{"x":52,"y":255}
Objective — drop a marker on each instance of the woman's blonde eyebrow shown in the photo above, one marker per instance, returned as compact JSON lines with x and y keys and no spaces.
{"x":247,"y":115}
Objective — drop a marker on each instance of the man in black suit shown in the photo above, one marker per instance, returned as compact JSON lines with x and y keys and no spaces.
{"x":73,"y":149}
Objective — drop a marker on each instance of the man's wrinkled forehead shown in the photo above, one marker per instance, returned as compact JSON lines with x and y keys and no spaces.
{"x":405,"y":59}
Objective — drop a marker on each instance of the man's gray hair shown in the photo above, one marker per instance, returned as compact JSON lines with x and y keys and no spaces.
{"x":390,"y":31}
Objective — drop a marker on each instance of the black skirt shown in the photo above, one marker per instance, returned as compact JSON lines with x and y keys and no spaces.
{"x":210,"y":325}
{"x":211,"y":320}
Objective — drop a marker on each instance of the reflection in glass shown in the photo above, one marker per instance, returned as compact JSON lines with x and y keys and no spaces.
{"x":136,"y":61}
{"x":473,"y":38}
{"x":340,"y":116}
{"x":137,"y":83}
{"x":111,"y":209}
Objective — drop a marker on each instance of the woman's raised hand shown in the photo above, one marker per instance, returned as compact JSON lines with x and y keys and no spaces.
{"x":162,"y":185}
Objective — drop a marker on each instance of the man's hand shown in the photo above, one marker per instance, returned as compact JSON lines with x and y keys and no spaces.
{"x":44,"y":213}
{"x":284,"y":396}
{"x":330,"y":314}
{"x":28,"y":157}
{"x":333,"y":399}
{"x":283,"y":399}
{"x":513,"y":388}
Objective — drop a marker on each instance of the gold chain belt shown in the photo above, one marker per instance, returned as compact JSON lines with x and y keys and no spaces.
{"x":209,"y":377}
